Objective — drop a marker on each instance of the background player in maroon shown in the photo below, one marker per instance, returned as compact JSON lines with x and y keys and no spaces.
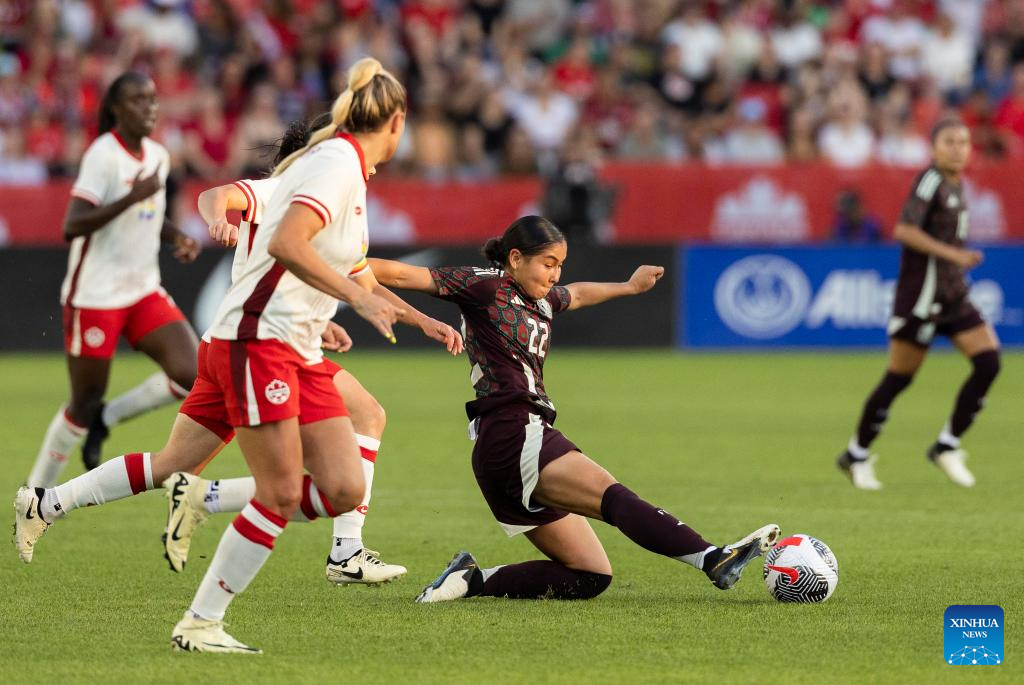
{"x":932,"y":298}
{"x":534,"y":479}
{"x":115,"y":223}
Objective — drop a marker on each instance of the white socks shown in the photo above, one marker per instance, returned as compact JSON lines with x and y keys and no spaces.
{"x":229,"y":494}
{"x":947,"y":438}
{"x":152,"y":393}
{"x":350,"y":524}
{"x":243,"y":549}
{"x":856,"y":451}
{"x":61,"y":437}
{"x":696,"y":559}
{"x":112,"y":480}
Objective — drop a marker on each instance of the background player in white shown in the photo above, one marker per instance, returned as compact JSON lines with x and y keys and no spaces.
{"x":115,"y":224}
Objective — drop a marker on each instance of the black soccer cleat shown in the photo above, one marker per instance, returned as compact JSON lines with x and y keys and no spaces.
{"x":454,"y":581}
{"x":93,"y":443}
{"x":726,"y":571}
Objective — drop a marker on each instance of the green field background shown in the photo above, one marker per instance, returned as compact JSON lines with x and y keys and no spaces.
{"x":726,"y":442}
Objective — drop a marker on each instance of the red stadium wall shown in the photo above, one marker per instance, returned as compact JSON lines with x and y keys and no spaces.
{"x":655,"y":204}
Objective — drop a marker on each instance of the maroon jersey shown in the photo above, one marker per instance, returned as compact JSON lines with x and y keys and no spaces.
{"x":507,"y":336}
{"x":927,"y":284}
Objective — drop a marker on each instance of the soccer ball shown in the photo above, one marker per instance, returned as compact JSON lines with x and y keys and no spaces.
{"x":801,"y":569}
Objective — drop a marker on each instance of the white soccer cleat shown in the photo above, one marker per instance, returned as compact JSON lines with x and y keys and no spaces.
{"x":453,"y":583}
{"x":363,"y":567}
{"x":952,"y":463}
{"x":185,"y":513}
{"x":194,"y":634}
{"x":860,"y":471}
{"x":29,"y":525}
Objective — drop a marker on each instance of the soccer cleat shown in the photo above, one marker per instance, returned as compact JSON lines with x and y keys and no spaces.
{"x":453,"y":583}
{"x":952,"y":463}
{"x":185,"y":513}
{"x":194,"y":634}
{"x":29,"y":525}
{"x":735,"y":557}
{"x":93,"y":443}
{"x":861,"y":472}
{"x":363,"y":567}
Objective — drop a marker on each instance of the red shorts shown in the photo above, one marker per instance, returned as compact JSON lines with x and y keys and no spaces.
{"x":93,"y":333}
{"x":252,"y":382}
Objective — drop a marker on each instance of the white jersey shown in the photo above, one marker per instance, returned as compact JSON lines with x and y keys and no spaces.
{"x":117,"y":265}
{"x":267,"y":302}
{"x":257,"y":197}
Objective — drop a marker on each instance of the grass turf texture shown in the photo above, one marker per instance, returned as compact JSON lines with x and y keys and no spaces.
{"x":726,"y":442}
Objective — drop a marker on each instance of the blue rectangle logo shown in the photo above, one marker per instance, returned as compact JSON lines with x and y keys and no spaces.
{"x":973,"y":635}
{"x":821,"y":296}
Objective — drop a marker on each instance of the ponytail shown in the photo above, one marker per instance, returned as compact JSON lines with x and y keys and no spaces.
{"x":528,"y":234}
{"x":372,"y":96}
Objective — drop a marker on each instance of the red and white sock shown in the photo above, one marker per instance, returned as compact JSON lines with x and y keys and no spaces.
{"x":62,"y":436}
{"x":150,"y":394}
{"x":244,"y":548}
{"x":229,"y":494}
{"x":348,"y":528}
{"x":115,"y":479}
{"x":313,"y":505}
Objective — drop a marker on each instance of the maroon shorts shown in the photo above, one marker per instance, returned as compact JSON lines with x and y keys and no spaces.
{"x":948,"y":320}
{"x":93,"y":333}
{"x":512,"y":447}
{"x":251,"y":382}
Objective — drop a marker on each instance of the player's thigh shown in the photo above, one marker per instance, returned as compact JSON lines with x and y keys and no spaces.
{"x":366,"y":412}
{"x":331,"y":456}
{"x":976,"y":340}
{"x":905,"y":358}
{"x":574,"y":483}
{"x":571,"y":541}
{"x":189,"y":446}
{"x":89,"y":377}
{"x":173,"y":347}
{"x":273,"y":452}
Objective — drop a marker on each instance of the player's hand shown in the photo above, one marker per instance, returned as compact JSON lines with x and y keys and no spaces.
{"x":144,"y":187}
{"x":224,"y":233}
{"x":186,"y":249}
{"x":644,"y":278}
{"x":379,"y":312}
{"x":968,"y":259}
{"x":442,"y":333}
{"x":335,"y":338}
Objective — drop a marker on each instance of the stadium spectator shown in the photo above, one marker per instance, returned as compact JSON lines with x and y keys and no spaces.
{"x":846,"y":140}
{"x":163,"y":24}
{"x":751,"y":141}
{"x":852,"y":224}
{"x":699,"y":41}
{"x":902,"y":146}
{"x":947,"y":57}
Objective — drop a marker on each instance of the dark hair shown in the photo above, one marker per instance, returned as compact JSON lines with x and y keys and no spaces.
{"x":528,"y":234}
{"x":113,"y":94}
{"x":297,"y":135}
{"x":944,"y":123}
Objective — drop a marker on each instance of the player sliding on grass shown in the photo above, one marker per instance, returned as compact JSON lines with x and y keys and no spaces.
{"x":192,"y":443}
{"x":534,"y":479}
{"x":932,"y":297}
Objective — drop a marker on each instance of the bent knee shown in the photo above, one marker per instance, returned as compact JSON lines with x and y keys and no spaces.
{"x":593,"y":584}
{"x":283,"y":499}
{"x":987,"y":363}
{"x":368,"y":416}
{"x":346,"y":498}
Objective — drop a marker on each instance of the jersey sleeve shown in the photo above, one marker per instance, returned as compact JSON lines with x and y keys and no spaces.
{"x":559,"y":298}
{"x":915,"y":209}
{"x":97,"y":171}
{"x":465,"y":284}
{"x":323,"y":188}
{"x":257,"y":196}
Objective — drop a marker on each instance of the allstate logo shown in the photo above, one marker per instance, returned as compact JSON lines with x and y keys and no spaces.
{"x":762,"y":296}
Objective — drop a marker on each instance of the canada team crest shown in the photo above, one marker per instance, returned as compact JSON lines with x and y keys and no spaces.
{"x":277,"y":391}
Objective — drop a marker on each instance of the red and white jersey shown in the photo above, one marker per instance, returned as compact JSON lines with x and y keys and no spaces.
{"x":267,"y":302}
{"x":117,"y":266}
{"x":257,"y":196}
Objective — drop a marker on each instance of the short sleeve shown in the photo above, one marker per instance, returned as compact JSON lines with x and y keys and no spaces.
{"x":257,"y":196}
{"x":465,"y":284}
{"x":915,"y":209}
{"x":323,"y":186}
{"x":94,"y":176}
{"x":559,"y":298}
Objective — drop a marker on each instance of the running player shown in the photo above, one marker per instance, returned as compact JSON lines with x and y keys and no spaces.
{"x":115,"y":224}
{"x":931,"y":298}
{"x":534,"y":479}
{"x":193,"y":443}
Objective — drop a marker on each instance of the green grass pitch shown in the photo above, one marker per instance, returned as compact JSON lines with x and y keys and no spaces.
{"x":726,"y":442}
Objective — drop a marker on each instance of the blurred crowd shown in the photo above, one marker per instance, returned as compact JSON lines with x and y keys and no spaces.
{"x":505,"y":87}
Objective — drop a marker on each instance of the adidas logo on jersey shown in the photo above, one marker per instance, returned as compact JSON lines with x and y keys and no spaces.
{"x":277,"y":392}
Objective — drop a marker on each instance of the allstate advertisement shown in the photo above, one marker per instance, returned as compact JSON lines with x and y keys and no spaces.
{"x":828,"y":296}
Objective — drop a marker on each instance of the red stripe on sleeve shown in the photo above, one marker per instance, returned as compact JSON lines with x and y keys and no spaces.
{"x":250,"y":199}
{"x":318,"y":203}
{"x":136,"y":472}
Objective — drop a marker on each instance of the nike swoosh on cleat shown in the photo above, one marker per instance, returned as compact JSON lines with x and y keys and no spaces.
{"x":174,"y":533}
{"x":354,"y":576}
{"x":725,"y":559}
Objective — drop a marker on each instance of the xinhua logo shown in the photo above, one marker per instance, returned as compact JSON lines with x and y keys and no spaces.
{"x":973,"y":635}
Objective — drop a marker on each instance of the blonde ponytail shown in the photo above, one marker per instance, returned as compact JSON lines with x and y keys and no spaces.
{"x":369,"y":100}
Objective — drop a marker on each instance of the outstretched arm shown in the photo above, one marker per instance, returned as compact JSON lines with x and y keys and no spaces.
{"x":588,"y":294}
{"x":432,"y":328}
{"x":403,"y":276}
{"x":214,"y":204}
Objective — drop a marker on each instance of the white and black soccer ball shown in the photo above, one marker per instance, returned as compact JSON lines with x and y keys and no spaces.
{"x":800,"y":568}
